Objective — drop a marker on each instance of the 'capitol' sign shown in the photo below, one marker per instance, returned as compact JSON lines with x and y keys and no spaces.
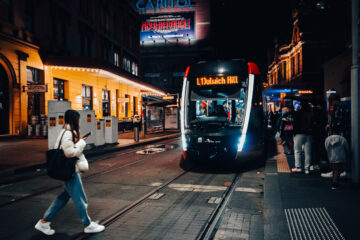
{"x":144,"y":5}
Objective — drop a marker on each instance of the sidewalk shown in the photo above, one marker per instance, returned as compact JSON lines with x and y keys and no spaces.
{"x":299,"y":206}
{"x":18,"y":153}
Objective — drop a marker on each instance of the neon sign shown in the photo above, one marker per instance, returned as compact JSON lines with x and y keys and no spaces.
{"x":167,"y":26}
{"x":144,"y":5}
{"x":214,"y":81}
{"x":305,"y":92}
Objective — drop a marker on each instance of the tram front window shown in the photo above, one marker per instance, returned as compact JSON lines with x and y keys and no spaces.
{"x":225,"y":106}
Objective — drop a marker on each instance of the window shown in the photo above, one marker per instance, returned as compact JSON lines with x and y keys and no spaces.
{"x":33,"y":97}
{"x":5,"y":9}
{"x":59,"y":89}
{"x":87,"y":94}
{"x":29,"y":16}
{"x":284,"y":70}
{"x":134,"y":69}
{"x":293,"y":66}
{"x":298,"y":64}
{"x":106,"y":102}
{"x":116,"y":59}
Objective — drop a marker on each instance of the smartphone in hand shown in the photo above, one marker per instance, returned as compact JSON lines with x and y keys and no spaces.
{"x":86,"y":135}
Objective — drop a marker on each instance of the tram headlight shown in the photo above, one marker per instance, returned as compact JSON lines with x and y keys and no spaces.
{"x":241,"y":143}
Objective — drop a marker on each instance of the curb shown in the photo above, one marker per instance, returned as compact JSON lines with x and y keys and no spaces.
{"x":91,"y":153}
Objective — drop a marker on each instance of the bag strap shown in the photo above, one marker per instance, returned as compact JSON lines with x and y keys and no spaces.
{"x":61,"y":139}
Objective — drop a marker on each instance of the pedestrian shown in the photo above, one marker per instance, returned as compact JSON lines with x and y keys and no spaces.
{"x":318,"y":133}
{"x":73,"y":145}
{"x":287,"y":126}
{"x":337,"y":149}
{"x":302,"y":137}
{"x":339,"y":120}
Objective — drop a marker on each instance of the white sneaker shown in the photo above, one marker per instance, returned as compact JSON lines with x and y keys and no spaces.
{"x":44,"y":228}
{"x":307,"y":171}
{"x":344,"y":174}
{"x":327,"y":175}
{"x":296,"y":170}
{"x":312,"y":168}
{"x":94,"y":227}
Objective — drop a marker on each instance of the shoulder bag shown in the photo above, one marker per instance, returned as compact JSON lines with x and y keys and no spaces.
{"x":58,"y":166}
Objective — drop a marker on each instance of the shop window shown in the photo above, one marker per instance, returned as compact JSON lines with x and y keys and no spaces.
{"x":106,"y":102}
{"x":59,"y":89}
{"x":87,"y":95}
{"x":33,"y":97}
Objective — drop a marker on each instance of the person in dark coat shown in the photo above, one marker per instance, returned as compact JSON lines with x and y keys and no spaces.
{"x":319,"y":134}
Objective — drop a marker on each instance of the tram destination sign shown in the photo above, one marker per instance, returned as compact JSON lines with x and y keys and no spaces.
{"x":217,"y":81}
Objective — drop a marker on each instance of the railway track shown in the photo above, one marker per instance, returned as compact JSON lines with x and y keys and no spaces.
{"x":207,"y":231}
{"x":113,"y":168}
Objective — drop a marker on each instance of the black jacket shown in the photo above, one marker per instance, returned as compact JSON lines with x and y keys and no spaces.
{"x":303,"y":122}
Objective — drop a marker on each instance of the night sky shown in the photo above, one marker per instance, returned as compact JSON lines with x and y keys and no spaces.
{"x":246,"y":29}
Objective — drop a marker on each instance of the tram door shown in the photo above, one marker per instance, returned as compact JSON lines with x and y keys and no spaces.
{"x":4,"y":101}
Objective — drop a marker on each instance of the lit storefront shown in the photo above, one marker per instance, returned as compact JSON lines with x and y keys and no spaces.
{"x":27,"y":83}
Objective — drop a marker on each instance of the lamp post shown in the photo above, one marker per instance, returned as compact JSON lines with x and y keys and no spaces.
{"x":355,"y":117}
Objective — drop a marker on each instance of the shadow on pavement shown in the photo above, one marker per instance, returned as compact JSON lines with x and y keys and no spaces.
{"x":56,"y":236}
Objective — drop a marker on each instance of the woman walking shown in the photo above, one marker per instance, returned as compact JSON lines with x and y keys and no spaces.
{"x":73,"y":145}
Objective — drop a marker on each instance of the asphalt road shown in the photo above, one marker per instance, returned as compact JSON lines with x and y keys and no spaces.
{"x":180,"y":210}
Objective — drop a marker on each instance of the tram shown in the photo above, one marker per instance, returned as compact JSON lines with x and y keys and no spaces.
{"x":221,"y":111}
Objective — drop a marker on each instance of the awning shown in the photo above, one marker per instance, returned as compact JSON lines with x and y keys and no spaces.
{"x":100,"y":69}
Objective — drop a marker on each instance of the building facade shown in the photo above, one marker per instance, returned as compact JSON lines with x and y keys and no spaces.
{"x":318,"y":33}
{"x":83,"y":51}
{"x":173,"y":35}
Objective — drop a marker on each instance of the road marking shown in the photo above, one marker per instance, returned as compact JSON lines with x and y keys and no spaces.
{"x":156,"y":196}
{"x":155,"y":184}
{"x":196,"y":188}
{"x":215,"y":200}
{"x":311,"y":223}
{"x":249,"y":190}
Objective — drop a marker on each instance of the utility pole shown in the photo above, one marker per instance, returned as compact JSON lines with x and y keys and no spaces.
{"x":355,"y":117}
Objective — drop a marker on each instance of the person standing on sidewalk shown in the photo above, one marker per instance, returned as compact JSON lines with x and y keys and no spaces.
{"x":339,"y":120}
{"x":319,"y":122}
{"x":302,"y":137}
{"x":337,"y":149}
{"x":73,"y":145}
{"x":287,"y":126}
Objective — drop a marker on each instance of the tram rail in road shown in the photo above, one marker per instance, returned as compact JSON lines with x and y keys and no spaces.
{"x":207,"y":230}
{"x":48,"y":189}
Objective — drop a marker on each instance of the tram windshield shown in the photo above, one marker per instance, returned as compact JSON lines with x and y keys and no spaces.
{"x":212,"y":106}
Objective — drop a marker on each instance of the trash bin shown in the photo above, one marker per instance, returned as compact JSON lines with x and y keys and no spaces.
{"x":100,"y":133}
{"x":111,"y":129}
{"x":87,"y":124}
{"x":55,"y":125}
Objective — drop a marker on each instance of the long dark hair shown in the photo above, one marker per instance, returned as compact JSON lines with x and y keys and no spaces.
{"x":72,"y":118}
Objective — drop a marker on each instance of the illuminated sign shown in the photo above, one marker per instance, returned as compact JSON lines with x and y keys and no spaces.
{"x":37,"y":88}
{"x":168,"y":97}
{"x":305,"y":92}
{"x":212,"y":81}
{"x":144,"y":5}
{"x":167,"y":26}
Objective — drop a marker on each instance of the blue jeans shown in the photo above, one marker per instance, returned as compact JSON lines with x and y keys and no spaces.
{"x":74,"y":189}
{"x":299,"y":141}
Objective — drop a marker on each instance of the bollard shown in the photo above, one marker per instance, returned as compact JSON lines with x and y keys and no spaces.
{"x":136,"y":133}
